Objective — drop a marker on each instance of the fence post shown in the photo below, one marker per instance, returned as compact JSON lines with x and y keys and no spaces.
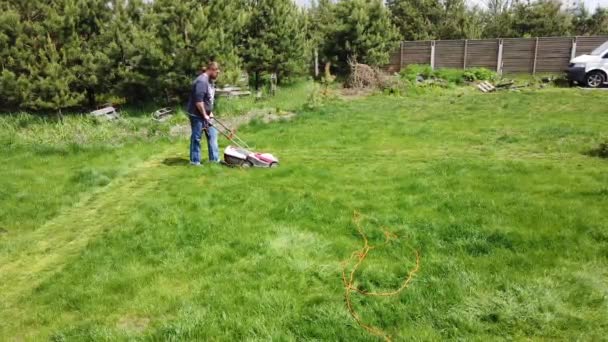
{"x":401,"y":55}
{"x":466,"y":45}
{"x":316,"y":63}
{"x":535,"y":54}
{"x":433,"y":54}
{"x":573,"y":50}
{"x":499,"y":58}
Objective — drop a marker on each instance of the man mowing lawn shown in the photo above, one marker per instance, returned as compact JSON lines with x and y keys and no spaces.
{"x":200,"y":112}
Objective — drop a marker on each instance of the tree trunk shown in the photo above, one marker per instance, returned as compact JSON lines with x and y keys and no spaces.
{"x":91,"y":97}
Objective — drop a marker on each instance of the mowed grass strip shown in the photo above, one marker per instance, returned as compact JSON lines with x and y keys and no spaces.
{"x":495,"y":191}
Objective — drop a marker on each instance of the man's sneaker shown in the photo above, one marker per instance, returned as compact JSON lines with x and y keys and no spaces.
{"x":195,"y":164}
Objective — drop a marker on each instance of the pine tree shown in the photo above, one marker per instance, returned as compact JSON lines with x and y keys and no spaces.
{"x":191,"y":33}
{"x":364,"y":32}
{"x":458,"y":21}
{"x":218,"y":38}
{"x":580,"y":20}
{"x":86,"y":57}
{"x":599,"y":21}
{"x":33,"y":59}
{"x":591,"y":24}
{"x":51,"y":56}
{"x":135,"y":57}
{"x":435,"y":19}
{"x":54,"y":86}
{"x":544,"y":18}
{"x":275,"y":39}
{"x":416,"y":19}
{"x":321,"y":24}
{"x":498,"y":19}
{"x":12,"y":56}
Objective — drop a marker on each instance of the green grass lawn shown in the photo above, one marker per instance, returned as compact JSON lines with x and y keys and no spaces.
{"x":115,"y":241}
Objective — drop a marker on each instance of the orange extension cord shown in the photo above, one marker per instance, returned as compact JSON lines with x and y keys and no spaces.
{"x":349,"y":286}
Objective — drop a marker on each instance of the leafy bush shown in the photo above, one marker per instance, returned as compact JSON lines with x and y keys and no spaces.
{"x":412,"y":71}
{"x":452,"y":76}
{"x":479,"y":74}
{"x":393,"y":86}
{"x":318,"y":95}
{"x":315,"y":98}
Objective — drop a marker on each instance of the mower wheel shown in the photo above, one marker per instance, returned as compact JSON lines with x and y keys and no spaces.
{"x":273,"y":165}
{"x":246,"y":164}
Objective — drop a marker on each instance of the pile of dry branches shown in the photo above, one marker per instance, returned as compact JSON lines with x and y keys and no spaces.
{"x":364,"y":76}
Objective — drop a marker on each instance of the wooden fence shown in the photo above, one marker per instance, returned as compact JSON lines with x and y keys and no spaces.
{"x":505,"y":55}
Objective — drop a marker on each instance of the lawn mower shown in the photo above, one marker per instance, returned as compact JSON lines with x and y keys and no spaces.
{"x":240,"y":154}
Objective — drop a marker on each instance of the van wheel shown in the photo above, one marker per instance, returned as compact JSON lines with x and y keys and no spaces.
{"x":595,"y":79}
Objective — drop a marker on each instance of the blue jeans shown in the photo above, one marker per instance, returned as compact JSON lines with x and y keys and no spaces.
{"x":199,"y":125}
{"x":212,"y":146}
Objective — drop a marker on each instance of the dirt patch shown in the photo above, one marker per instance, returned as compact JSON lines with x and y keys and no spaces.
{"x":265,"y":115}
{"x":133,"y":324}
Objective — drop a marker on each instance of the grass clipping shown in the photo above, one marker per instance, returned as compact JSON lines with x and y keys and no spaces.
{"x":349,"y":282}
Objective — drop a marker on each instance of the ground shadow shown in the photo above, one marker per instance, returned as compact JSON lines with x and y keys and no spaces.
{"x":600,"y":152}
{"x":562,"y":83}
{"x":176,"y":161}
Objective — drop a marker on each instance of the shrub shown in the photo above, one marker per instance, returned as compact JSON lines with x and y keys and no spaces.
{"x":452,"y":76}
{"x":479,"y":74}
{"x":412,"y":71}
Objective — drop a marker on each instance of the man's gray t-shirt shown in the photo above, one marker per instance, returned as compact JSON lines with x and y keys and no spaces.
{"x":202,"y":91}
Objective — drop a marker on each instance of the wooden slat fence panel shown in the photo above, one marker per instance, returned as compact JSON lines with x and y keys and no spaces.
{"x":394,"y":64}
{"x":449,"y":53}
{"x":518,"y":55}
{"x":416,"y":53}
{"x":482,"y":53}
{"x":585,"y":45}
{"x":552,"y":53}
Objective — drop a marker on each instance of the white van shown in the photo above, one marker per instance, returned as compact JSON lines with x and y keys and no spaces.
{"x":592,"y":69}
